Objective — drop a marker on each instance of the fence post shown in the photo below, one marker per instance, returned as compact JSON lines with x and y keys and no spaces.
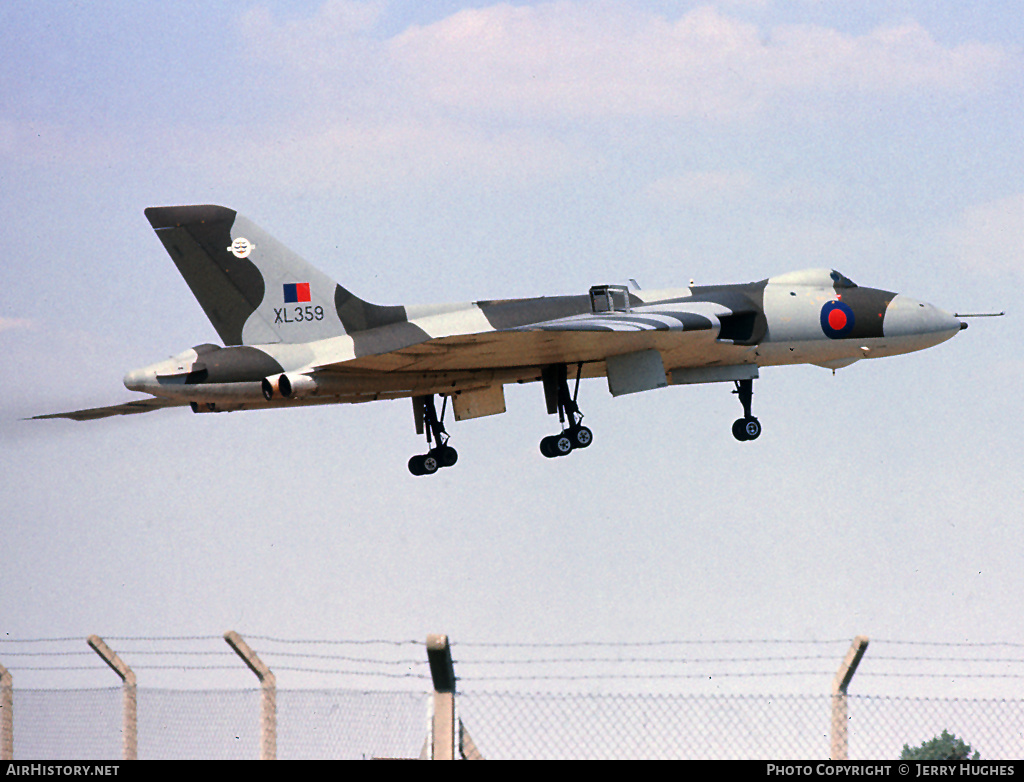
{"x":442,"y":671}
{"x":129,"y":720}
{"x":6,"y":715}
{"x":444,"y":743}
{"x":268,"y":695}
{"x":840,"y":709}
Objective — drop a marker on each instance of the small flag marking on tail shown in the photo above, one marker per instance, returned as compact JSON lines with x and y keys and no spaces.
{"x":295,"y":292}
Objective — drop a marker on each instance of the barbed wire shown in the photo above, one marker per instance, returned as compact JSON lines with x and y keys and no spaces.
{"x":645,"y":660}
{"x":665,"y":642}
{"x":519,"y":661}
{"x":950,"y":659}
{"x":365,"y":642}
{"x":977,"y":644}
{"x":644,"y":676}
{"x":383,"y":674}
{"x":913,"y":675}
{"x":521,"y":644}
{"x":226,"y":653}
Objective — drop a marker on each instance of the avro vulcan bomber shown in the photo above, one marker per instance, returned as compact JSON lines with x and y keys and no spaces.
{"x":293,"y":336}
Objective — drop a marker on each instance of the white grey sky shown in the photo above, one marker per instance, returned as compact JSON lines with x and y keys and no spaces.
{"x":454,"y":151}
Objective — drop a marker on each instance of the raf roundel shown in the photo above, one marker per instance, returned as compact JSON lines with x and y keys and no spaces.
{"x":836,"y":320}
{"x":241,"y":247}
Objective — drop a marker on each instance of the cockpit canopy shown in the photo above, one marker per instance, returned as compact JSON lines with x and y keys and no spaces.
{"x":822,"y":278}
{"x":841,"y":281}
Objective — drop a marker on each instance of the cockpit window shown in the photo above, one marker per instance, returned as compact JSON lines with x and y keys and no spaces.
{"x":842,"y":282}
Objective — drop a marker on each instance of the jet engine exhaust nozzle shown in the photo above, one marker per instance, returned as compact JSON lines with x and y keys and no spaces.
{"x":294,"y":385}
{"x":269,"y":386}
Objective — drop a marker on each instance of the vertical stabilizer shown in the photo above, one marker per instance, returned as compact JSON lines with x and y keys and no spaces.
{"x":253,"y":289}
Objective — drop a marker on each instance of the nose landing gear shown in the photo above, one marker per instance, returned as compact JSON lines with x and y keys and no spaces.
{"x":747,"y":427}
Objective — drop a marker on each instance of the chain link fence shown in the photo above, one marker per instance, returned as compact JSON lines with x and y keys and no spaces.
{"x":352,"y":724}
{"x":880,"y":727}
{"x":730,"y":726}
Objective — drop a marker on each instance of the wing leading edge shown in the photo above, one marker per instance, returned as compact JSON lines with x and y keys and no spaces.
{"x":127,"y":408}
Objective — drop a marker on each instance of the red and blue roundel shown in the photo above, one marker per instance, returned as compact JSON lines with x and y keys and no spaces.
{"x":836,"y":320}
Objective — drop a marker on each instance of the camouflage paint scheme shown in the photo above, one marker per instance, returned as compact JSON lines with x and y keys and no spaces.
{"x":292,"y":336}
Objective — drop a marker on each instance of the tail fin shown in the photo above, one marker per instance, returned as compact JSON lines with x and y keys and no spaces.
{"x":253,"y":289}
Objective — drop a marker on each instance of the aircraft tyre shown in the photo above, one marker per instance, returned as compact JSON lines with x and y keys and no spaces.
{"x":447,"y":456}
{"x":581,"y":437}
{"x":427,"y":464}
{"x":744,"y":429}
{"x":752,"y":428}
{"x":556,"y":445}
{"x":547,"y":447}
{"x":565,"y":443}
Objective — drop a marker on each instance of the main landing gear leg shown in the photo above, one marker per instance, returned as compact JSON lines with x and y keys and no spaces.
{"x":440,"y":454}
{"x":747,"y":427}
{"x":574,"y":435}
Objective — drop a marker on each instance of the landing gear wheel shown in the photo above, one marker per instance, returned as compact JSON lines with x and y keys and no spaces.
{"x":562,"y":444}
{"x":744,"y":429}
{"x":581,"y":437}
{"x":556,"y":445}
{"x":752,"y":428}
{"x":547,"y":447}
{"x":447,"y":456}
{"x":416,"y":465}
{"x":430,"y":464}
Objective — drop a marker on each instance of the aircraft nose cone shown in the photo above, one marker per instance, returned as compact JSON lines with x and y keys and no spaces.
{"x":906,"y":317}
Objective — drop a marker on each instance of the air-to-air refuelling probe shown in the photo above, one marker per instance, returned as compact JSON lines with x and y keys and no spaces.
{"x":293,"y":336}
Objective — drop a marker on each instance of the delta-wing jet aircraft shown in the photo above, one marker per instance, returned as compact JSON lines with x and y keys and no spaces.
{"x":293,"y":336}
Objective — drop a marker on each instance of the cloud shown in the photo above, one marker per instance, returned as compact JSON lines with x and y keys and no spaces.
{"x":334,"y":21}
{"x":587,"y":60}
{"x":341,"y":99}
{"x":527,"y":92}
{"x":9,"y":324}
{"x":325,"y":42}
{"x":988,"y":237}
{"x":890,"y":60}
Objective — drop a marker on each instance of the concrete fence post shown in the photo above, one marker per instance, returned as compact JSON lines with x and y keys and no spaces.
{"x":129,"y":718}
{"x":6,"y":715}
{"x":449,"y":738}
{"x":442,"y":671}
{"x":840,"y":709}
{"x":268,"y":694}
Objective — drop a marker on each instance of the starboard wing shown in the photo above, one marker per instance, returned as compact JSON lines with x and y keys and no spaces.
{"x":685,"y":333}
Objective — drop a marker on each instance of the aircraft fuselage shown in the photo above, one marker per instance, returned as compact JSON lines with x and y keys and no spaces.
{"x":790,"y":319}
